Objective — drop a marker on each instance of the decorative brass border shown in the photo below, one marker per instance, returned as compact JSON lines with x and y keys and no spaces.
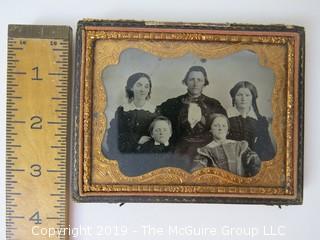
{"x":240,"y":187}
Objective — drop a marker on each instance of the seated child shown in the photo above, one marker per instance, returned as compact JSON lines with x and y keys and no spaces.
{"x":160,"y":131}
{"x":230,"y":155}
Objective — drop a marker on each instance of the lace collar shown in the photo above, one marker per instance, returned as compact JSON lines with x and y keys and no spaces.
{"x":215,"y":144}
{"x":131,"y":107}
{"x":233,"y":112}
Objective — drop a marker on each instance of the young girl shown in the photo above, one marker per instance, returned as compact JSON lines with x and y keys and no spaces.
{"x":230,"y":155}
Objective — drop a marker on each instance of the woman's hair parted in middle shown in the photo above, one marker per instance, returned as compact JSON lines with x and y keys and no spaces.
{"x":196,"y":69}
{"x":252,"y":88}
{"x":132,"y":80}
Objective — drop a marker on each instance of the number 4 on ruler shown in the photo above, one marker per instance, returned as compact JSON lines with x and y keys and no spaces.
{"x":36,"y":218}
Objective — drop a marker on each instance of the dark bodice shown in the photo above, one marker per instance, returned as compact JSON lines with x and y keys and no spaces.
{"x":128,"y":127}
{"x":176,"y":109}
{"x":255,"y":132}
{"x":124,"y":132}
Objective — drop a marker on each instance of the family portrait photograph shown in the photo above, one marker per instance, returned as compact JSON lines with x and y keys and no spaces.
{"x":184,"y":112}
{"x":188,"y":113}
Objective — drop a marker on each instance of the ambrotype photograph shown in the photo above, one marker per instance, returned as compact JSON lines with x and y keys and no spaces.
{"x":191,"y":113}
{"x":173,"y":113}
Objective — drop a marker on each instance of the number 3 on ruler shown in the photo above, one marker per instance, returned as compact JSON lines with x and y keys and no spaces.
{"x":36,"y":168}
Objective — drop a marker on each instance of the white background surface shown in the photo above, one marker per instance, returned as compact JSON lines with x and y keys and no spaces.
{"x":296,"y":222}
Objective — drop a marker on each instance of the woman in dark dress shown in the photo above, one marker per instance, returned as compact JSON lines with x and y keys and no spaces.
{"x":246,"y":123}
{"x":129,"y":128}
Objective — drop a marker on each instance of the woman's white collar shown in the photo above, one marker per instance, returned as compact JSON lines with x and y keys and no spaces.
{"x":233,"y":112}
{"x":146,"y":107}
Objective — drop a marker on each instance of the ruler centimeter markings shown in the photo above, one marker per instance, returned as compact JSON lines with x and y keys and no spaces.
{"x":38,"y":75}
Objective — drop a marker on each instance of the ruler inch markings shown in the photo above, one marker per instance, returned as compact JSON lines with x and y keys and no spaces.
{"x":37,"y":53}
{"x":57,"y":74}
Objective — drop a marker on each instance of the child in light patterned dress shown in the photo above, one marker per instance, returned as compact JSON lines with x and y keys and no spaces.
{"x":229,"y":155}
